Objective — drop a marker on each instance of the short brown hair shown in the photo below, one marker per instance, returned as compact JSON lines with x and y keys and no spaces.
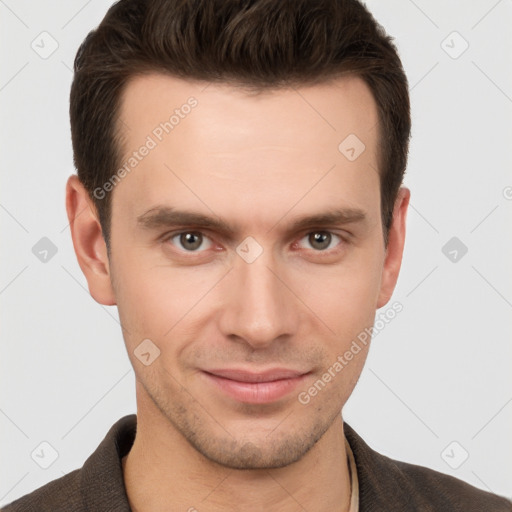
{"x":260,"y":44}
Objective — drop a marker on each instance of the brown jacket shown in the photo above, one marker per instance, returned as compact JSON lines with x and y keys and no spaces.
{"x":385,"y":485}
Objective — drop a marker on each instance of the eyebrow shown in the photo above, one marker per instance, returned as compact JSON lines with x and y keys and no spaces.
{"x":164,"y":216}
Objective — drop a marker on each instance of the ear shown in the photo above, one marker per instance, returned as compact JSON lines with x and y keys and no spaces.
{"x":90,"y":247}
{"x":395,"y":248}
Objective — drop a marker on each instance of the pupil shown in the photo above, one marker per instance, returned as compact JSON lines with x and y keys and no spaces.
{"x":320,"y":240}
{"x":192,"y":240}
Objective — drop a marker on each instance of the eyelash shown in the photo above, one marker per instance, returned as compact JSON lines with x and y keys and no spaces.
{"x":342,"y":241}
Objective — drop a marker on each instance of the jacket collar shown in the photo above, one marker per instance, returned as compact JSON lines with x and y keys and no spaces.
{"x":382,"y":485}
{"x":102,"y":484}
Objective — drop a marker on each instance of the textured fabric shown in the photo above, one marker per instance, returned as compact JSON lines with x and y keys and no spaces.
{"x":97,"y":487}
{"x":390,"y":485}
{"x":385,"y":485}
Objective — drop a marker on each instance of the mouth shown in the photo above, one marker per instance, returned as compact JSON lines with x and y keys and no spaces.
{"x":255,"y":387}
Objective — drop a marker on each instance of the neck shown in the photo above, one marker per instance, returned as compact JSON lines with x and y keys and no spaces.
{"x":163,"y":471}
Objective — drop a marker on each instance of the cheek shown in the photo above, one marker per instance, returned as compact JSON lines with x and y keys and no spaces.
{"x":345,"y":296}
{"x":156,"y":301}
{"x":144,"y":308}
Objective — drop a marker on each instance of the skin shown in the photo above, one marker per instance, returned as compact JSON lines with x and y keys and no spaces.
{"x":258,"y":162}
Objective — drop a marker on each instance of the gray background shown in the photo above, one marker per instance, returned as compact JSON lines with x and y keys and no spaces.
{"x":437,"y":384}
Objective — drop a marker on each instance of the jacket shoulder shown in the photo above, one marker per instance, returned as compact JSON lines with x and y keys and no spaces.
{"x":97,"y":486}
{"x":388,"y":484}
{"x":59,"y":495}
{"x":446,"y":492}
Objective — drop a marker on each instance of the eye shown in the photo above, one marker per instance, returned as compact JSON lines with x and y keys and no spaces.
{"x":190,"y":241}
{"x":320,"y":240}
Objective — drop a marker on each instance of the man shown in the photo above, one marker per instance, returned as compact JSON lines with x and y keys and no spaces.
{"x":271,"y":137}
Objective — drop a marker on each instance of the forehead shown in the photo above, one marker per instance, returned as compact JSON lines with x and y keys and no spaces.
{"x":208,"y":140}
{"x":341,"y":105}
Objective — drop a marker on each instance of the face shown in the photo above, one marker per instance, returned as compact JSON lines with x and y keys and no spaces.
{"x":248,"y":248}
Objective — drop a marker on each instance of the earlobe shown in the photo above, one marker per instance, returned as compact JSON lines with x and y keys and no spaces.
{"x":394,"y":251}
{"x":88,"y":242}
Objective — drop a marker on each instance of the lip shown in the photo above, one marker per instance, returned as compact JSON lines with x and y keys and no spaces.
{"x":255,"y":387}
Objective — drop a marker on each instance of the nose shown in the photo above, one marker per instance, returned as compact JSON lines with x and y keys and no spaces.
{"x":260,"y":306}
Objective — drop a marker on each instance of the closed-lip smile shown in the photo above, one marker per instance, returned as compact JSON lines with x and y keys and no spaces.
{"x":255,"y":387}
